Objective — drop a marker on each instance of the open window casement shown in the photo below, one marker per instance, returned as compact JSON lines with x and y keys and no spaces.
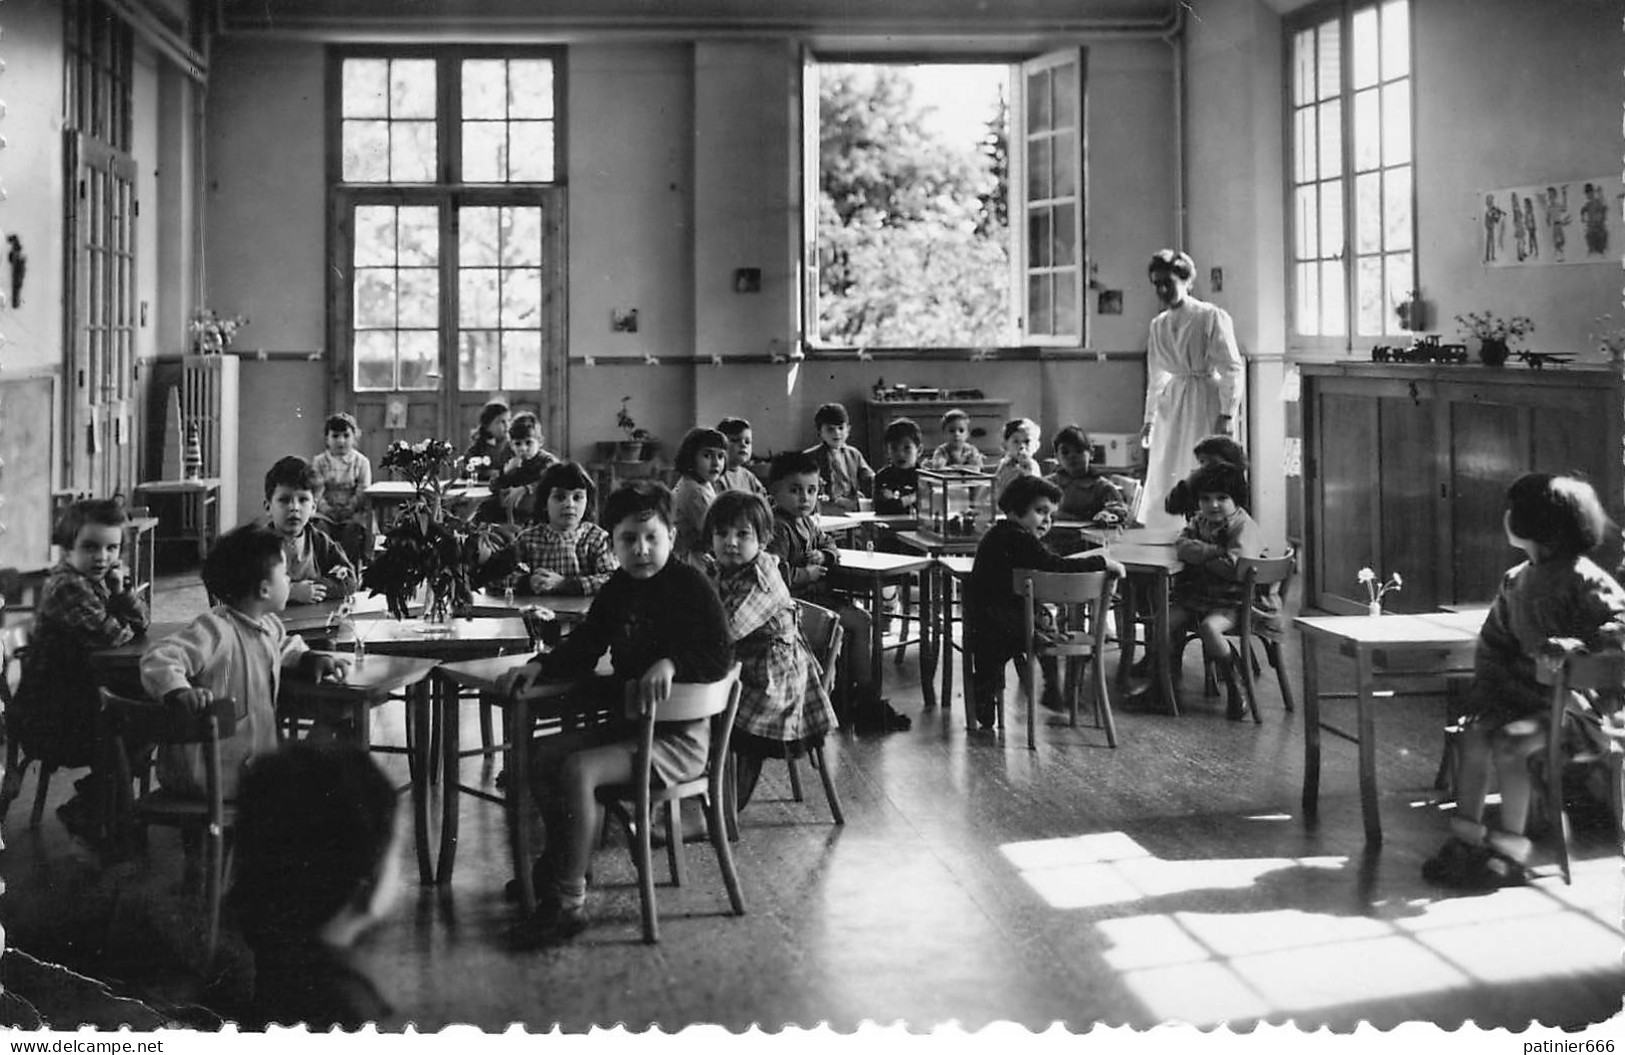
{"x":1047,"y":200}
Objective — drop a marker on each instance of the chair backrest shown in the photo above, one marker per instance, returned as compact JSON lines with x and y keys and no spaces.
{"x":1060,"y":587}
{"x":127,"y":721}
{"x":716,"y":700}
{"x":1133,"y":495}
{"x":1268,"y":571}
{"x":1583,"y":671}
{"x":823,"y":632}
{"x":687,"y":702}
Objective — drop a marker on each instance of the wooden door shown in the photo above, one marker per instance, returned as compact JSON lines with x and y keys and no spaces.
{"x":1407,"y":507}
{"x":101,"y":403}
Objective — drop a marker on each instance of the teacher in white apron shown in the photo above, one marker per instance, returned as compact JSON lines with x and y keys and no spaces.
{"x":1195,"y":383}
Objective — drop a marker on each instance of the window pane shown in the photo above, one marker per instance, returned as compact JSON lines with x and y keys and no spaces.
{"x":1066,"y":309}
{"x":1065,"y":183}
{"x":374,"y":353}
{"x":1308,"y":223}
{"x":1065,"y":80}
{"x":365,"y":88}
{"x":1396,"y":39}
{"x":1063,"y":235}
{"x":412,"y":152}
{"x":1331,"y":218}
{"x":1369,"y":295}
{"x":1040,"y":318}
{"x":375,"y":298}
{"x":1396,"y":123}
{"x":477,"y":237}
{"x":1368,"y":213}
{"x":530,"y":88}
{"x":1396,"y":208}
{"x":366,"y":151}
{"x":521,"y":298}
{"x":521,"y":360}
{"x":418,"y":293}
{"x":418,"y":357}
{"x":1038,"y":237}
{"x":1306,"y":278}
{"x":411,"y":88}
{"x":1367,"y":131}
{"x":1329,"y":59}
{"x":1399,"y":284}
{"x":374,"y":236}
{"x":479,"y":361}
{"x":1303,"y":67}
{"x":522,"y":236}
{"x":1331,"y":138}
{"x":531,"y":143}
{"x":419,"y":236}
{"x":485,"y":149}
{"x":1038,"y":108}
{"x":485,"y":89}
{"x":1365,"y":47}
{"x":477,"y":303}
{"x":1333,"y":298}
{"x":1038,"y":170}
{"x":1303,"y":145}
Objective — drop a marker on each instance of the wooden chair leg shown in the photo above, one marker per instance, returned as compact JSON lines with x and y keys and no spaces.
{"x":214,"y":878}
{"x":730,"y":798}
{"x":1103,"y":700}
{"x":40,"y":791}
{"x":1029,"y":686}
{"x":795,"y":775}
{"x":905,"y":597}
{"x":487,"y":733}
{"x":725,"y":856}
{"x":674,"y":842}
{"x":1272,"y":652}
{"x":817,"y":756}
{"x":643,"y":858}
{"x":1244,"y":660}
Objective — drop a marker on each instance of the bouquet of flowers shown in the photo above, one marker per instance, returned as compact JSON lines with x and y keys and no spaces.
{"x":1375,"y":593}
{"x":1488,"y":326}
{"x":212,"y":333}
{"x":428,"y":544}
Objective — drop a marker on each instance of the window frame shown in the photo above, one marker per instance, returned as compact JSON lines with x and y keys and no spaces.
{"x":1018,"y":64}
{"x":1343,"y":12}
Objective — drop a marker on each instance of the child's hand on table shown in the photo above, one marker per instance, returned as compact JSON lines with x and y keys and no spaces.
{"x":545,"y":580}
{"x":813,"y":572}
{"x":194,"y":700}
{"x":324,"y":667}
{"x":306,"y":592}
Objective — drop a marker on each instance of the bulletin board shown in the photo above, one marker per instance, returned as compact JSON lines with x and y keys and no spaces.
{"x":27,"y":409}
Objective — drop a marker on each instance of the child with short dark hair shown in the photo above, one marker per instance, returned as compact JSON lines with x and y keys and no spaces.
{"x":741,"y":444}
{"x":1020,"y":442}
{"x":317,"y":566}
{"x":843,"y":473}
{"x":994,"y":609}
{"x":956,"y":450}
{"x":782,"y":708}
{"x":1207,"y":592}
{"x":565,"y":552}
{"x":897,"y":485}
{"x":489,"y":439}
{"x":1085,"y":495}
{"x":808,"y":556}
{"x":316,"y":862}
{"x":661,"y":622}
{"x":1557,"y":601}
{"x":85,"y":604}
{"x":237,"y":649}
{"x":513,"y":489}
{"x":344,"y":474}
{"x":701,"y":459}
{"x":1181,"y":500}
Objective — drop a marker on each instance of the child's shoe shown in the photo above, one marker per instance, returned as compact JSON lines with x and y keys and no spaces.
{"x":550,"y":925}
{"x":1050,"y":700}
{"x":1463,"y":866}
{"x":876,"y":715}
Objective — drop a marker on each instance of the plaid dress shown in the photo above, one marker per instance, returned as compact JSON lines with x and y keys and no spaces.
{"x":778,"y":700}
{"x":583,"y":556}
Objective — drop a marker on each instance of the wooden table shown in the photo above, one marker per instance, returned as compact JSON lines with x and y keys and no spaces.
{"x":878,"y":570}
{"x":199,"y":502}
{"x":141,"y":543}
{"x":306,"y":618}
{"x":1381,"y":646}
{"x":1154,"y":563}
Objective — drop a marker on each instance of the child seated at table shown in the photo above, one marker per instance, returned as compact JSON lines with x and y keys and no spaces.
{"x":956,"y":450}
{"x":782,"y":709}
{"x":701,"y":458}
{"x":1181,"y":500}
{"x":316,"y":855}
{"x":566,"y":553}
{"x":239,"y":649}
{"x":513,"y":489}
{"x":739,"y":476}
{"x":1085,"y":494}
{"x":897,"y":485}
{"x":1020,"y":441}
{"x":1556,"y":601}
{"x":994,"y":612}
{"x":808,"y":557}
{"x":85,"y":604}
{"x":843,"y":472}
{"x":344,"y":474}
{"x":318,"y":568}
{"x":661,"y":622}
{"x":1207,"y":594}
{"x":489,"y":440}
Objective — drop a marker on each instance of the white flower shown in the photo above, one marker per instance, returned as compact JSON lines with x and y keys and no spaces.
{"x":1366,"y":575}
{"x":1398,"y":582}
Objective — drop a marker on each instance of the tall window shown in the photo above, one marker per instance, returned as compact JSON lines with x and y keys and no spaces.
{"x":945,"y":203}
{"x":1352,"y":222}
{"x":451,"y":220}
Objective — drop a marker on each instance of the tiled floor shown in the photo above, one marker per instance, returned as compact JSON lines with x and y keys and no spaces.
{"x":1170,"y":879}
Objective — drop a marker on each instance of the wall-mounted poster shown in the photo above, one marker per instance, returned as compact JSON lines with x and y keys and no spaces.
{"x":1578,"y":221}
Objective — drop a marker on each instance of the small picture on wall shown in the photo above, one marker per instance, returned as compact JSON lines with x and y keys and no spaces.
{"x":1110,"y":302}
{"x":747,"y":280}
{"x":623,"y":320}
{"x":1576,"y":221}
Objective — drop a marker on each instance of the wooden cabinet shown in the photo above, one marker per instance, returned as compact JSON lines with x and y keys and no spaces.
{"x":1406,"y":469}
{"x":987,"y":418}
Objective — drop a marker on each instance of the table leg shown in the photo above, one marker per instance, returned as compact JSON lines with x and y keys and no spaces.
{"x":1126,"y":633}
{"x":967,"y":659}
{"x":1311,"y":728}
{"x":877,"y":610}
{"x":1163,"y":651}
{"x":422,"y":717}
{"x":451,"y":749}
{"x":518,"y":812}
{"x":945,"y":632}
{"x":928,"y":647}
{"x":1364,"y":725}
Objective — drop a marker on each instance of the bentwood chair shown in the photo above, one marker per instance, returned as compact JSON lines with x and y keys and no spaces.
{"x":1580,"y":672}
{"x":1088,"y":595}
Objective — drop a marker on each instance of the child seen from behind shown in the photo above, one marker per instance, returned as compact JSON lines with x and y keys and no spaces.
{"x":566,"y":553}
{"x":344,"y":474}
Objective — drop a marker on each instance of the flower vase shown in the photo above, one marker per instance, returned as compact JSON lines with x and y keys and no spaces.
{"x":1373,"y":608}
{"x":1492,"y":352}
{"x":436,"y":618}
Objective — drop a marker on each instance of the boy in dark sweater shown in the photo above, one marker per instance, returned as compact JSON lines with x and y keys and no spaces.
{"x":896,"y":485}
{"x":991,"y":603}
{"x":661,"y":622}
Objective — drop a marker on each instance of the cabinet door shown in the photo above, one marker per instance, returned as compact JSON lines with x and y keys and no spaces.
{"x":1345,"y":529}
{"x":1408,"y":503}
{"x":1489,"y":447}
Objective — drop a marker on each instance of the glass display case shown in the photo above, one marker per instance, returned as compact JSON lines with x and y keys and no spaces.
{"x":956,"y":503}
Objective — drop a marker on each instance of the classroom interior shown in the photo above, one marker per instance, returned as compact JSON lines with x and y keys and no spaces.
{"x":1169,"y":879}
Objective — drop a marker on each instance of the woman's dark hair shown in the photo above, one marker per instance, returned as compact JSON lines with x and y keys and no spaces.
{"x":1223,"y":448}
{"x":732,"y":427}
{"x":1019,"y":494}
{"x":1173,"y":261}
{"x":567,"y":476}
{"x":103,"y":512}
{"x":240,"y":560}
{"x":1562,"y":513}
{"x":697,"y":440}
{"x":903,"y":429}
{"x":492,"y":410}
{"x":640,"y":500}
{"x":314,"y":821}
{"x":295,"y":473}
{"x":340,"y":422}
{"x":1219,"y":478}
{"x":740,"y":507}
{"x":790,"y":463}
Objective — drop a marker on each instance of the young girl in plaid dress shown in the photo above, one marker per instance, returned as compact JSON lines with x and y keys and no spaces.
{"x":782,"y":705}
{"x":566,"y":553}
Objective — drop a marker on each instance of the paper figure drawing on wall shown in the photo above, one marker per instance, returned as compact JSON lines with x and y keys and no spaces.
{"x":1541,"y":217}
{"x":1594,"y":221}
{"x":19,"y":267}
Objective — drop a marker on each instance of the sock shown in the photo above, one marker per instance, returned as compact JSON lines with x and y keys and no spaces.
{"x":572,"y":893}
